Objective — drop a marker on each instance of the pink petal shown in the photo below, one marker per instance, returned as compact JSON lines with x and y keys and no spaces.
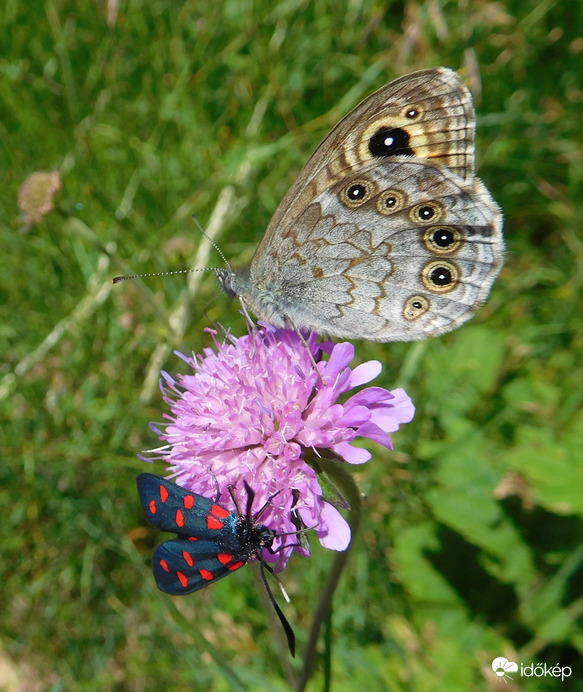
{"x":353,"y":455}
{"x":373,"y":432}
{"x":337,"y":535}
{"x":354,"y":417}
{"x":340,"y":357}
{"x":365,"y":373}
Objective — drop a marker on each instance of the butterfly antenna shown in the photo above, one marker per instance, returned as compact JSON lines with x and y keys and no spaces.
{"x":291,"y":637}
{"x":119,"y":279}
{"x":212,"y":242}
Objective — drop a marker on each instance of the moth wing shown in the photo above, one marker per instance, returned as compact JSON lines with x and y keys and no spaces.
{"x":182,"y":566}
{"x":172,"y":508}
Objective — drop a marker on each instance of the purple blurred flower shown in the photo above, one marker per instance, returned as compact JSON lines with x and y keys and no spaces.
{"x":251,"y":410}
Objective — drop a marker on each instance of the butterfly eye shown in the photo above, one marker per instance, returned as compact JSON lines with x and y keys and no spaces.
{"x":428,"y":212}
{"x":442,"y":239}
{"x":357,"y":193}
{"x":390,"y":142}
{"x":415,"y":306}
{"x":440,"y":277}
{"x":390,"y":201}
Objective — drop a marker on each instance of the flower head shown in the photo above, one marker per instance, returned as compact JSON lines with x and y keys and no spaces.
{"x":252,"y":409}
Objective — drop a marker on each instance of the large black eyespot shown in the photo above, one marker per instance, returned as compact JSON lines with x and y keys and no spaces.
{"x":442,"y":239}
{"x":390,"y":142}
{"x":440,"y":276}
{"x":356,"y":193}
{"x":426,"y":213}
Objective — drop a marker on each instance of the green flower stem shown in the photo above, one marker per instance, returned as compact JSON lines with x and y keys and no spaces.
{"x":345,"y":482}
{"x":185,"y":625}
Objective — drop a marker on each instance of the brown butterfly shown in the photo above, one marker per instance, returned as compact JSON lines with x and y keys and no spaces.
{"x":386,"y":235}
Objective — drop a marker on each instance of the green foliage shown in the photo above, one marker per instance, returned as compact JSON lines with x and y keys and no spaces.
{"x":470,"y":544}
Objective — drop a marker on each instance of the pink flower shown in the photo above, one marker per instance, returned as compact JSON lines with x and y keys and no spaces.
{"x":253,"y":407}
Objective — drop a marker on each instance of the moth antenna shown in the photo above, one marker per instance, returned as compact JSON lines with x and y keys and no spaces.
{"x":291,"y":637}
{"x":232,"y":494}
{"x":218,"y":495}
{"x":267,"y":503}
{"x":250,"y":498}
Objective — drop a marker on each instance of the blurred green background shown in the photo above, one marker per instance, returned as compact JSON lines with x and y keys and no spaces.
{"x":472,"y":543}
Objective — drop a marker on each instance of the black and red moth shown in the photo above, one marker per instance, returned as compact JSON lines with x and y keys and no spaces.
{"x":212,"y":541}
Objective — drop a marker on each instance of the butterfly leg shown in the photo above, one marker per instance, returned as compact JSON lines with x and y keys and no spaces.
{"x":292,"y":326}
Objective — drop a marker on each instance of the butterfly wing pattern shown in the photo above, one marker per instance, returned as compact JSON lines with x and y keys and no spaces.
{"x":212,"y":541}
{"x":386,"y":235}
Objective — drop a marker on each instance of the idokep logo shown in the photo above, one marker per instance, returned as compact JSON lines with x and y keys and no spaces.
{"x":502,"y":667}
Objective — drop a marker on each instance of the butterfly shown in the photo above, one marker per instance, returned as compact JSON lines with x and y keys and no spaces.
{"x":212,"y":541}
{"x":386,"y":235}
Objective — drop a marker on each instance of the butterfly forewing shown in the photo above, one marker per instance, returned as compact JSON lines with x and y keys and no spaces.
{"x":443,"y":132}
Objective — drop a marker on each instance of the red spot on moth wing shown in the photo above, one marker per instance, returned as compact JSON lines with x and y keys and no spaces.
{"x":179,"y":518}
{"x":206,"y":575}
{"x":152,"y":506}
{"x":188,"y":501}
{"x":220,"y":512}
{"x":214,"y":523}
{"x":164,"y":565}
{"x":188,"y":558}
{"x":192,"y":538}
{"x":223,"y":558}
{"x":183,"y":579}
{"x":235,"y":565}
{"x":163,"y":493}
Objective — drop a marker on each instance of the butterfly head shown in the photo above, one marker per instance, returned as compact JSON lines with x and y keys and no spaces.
{"x":227,"y":281}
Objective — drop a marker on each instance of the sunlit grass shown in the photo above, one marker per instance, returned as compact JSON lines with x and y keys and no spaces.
{"x":470,"y":541}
